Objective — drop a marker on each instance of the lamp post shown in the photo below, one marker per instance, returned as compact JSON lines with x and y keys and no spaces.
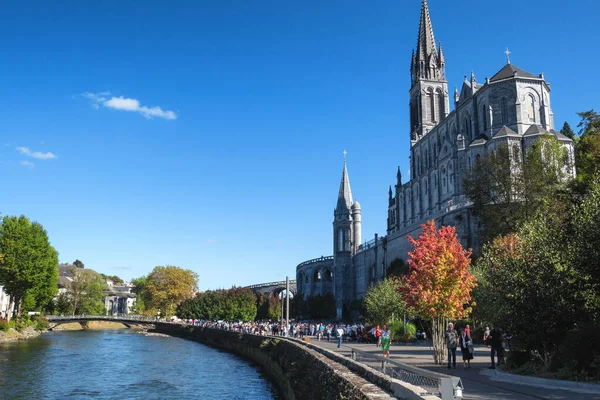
{"x":287,"y":304}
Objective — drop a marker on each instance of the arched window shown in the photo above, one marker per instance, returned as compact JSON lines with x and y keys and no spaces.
{"x":441,"y":104}
{"x":468,"y":129}
{"x":504,"y":111}
{"x":426,"y":159}
{"x":444,"y":179}
{"x":306,"y":278}
{"x":484,"y":117}
{"x":431,"y":104}
{"x":317,"y":276}
{"x":328,"y":275}
{"x":531,"y":108}
{"x":340,"y":240}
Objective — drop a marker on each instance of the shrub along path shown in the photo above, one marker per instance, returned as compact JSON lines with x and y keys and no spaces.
{"x":477,"y":381}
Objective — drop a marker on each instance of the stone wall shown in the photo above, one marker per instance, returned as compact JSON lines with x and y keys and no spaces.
{"x":299,"y":372}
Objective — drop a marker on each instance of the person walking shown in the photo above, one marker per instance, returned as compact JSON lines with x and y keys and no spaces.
{"x":340,"y":334}
{"x":466,"y":348}
{"x":486,"y":337}
{"x":378,"y":335}
{"x":451,"y":343}
{"x":386,"y":340}
{"x":495,"y":339}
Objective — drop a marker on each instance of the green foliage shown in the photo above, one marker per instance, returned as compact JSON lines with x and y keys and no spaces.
{"x":168,"y":286}
{"x":85,"y":294}
{"x":40,"y":323}
{"x":321,"y":307}
{"x":506,"y":193}
{"x":382,"y":302}
{"x":139,"y":288}
{"x":397,"y":328}
{"x":397,"y":268}
{"x":28,"y":267}
{"x":78,"y":264}
{"x":4,"y":326}
{"x":114,"y":278}
{"x":63,"y":305}
{"x":237,"y":304}
{"x":567,"y":131}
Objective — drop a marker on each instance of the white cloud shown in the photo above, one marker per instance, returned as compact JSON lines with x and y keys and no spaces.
{"x":28,"y":164}
{"x":26,"y":151}
{"x":127,"y":104}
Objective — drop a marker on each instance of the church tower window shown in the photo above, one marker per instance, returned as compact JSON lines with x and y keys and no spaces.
{"x":504,"y":111}
{"x":468,"y":129}
{"x":441,"y":104}
{"x":431,"y":104}
{"x":531,"y":108}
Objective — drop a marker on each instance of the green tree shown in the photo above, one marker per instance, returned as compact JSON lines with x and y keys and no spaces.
{"x":167,"y":286}
{"x":506,"y":192}
{"x":383,"y":301}
{"x":78,"y":264}
{"x":86,"y":292}
{"x":63,"y":305}
{"x":139,"y":288}
{"x":240,"y":304}
{"x":567,"y":131}
{"x":29,"y":263}
{"x":397,"y":267}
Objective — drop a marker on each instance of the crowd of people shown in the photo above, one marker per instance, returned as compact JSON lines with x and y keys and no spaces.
{"x":493,"y":339}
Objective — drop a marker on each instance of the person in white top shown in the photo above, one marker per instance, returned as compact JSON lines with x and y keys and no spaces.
{"x":340,"y":333}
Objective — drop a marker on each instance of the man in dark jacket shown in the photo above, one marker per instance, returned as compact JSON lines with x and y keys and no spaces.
{"x":495,"y":339}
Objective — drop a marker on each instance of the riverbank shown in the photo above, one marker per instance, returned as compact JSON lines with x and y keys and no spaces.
{"x":12,"y":334}
{"x":90,"y":325}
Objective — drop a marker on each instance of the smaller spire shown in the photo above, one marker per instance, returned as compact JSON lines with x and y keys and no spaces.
{"x":442,"y":60}
{"x":399,"y":176}
{"x":390,"y":192}
{"x":345,"y":193}
{"x":456,"y":95}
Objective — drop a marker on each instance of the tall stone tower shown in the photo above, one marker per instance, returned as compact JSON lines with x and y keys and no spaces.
{"x":346,"y":239}
{"x":429,"y":91}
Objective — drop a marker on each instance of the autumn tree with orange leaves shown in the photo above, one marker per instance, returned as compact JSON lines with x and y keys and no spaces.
{"x":438,"y":284}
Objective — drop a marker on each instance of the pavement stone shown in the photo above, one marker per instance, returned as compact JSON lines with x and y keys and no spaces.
{"x":477,"y":381}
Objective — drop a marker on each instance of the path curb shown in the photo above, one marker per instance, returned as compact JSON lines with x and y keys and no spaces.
{"x":572,"y":386}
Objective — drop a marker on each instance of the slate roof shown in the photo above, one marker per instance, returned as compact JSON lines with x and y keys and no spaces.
{"x":560,"y":136}
{"x":534,"y":130}
{"x":505,"y":132}
{"x":345,"y":194}
{"x":509,"y":70}
{"x":480,"y":140}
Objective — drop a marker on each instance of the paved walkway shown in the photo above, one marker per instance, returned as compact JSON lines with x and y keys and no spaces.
{"x":478,"y":385}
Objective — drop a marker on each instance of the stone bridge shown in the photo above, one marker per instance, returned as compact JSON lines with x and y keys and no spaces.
{"x":127,"y":320}
{"x":272,"y":288}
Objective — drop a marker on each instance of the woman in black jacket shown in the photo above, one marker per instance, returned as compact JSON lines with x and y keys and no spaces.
{"x":466,"y":348}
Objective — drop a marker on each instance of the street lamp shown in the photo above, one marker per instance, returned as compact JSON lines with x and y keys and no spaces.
{"x":158,"y":315}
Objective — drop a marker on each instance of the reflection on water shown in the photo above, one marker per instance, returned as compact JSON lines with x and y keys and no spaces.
{"x":124,"y":365}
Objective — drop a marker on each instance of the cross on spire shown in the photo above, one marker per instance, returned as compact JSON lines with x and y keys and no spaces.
{"x":507,"y":52}
{"x":345,"y":152}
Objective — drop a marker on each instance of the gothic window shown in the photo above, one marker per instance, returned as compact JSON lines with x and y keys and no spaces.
{"x":444,"y":179}
{"x":426,"y":159}
{"x":317,"y":275}
{"x":328,"y":275}
{"x":426,"y":187}
{"x":306,"y":278}
{"x":431,"y":104}
{"x":468,"y":129}
{"x":484,"y":117}
{"x":441,"y":104}
{"x":418,"y":166}
{"x":504,"y":111}
{"x":531,"y":108}
{"x":340,"y":245}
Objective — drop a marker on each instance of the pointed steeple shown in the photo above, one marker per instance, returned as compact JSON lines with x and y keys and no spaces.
{"x":427,"y":63}
{"x":345,"y":194}
{"x":399,"y":176}
{"x":441,"y":58}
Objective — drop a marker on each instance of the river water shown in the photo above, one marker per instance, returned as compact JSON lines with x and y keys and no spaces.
{"x":123,"y":364}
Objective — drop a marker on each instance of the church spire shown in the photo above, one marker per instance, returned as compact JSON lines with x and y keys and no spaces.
{"x":428,"y":63}
{"x":345,"y":194}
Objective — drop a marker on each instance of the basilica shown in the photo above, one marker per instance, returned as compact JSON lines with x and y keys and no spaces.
{"x":511,"y":108}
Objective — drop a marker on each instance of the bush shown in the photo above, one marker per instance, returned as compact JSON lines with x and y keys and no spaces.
{"x":578,"y":356}
{"x":4,"y":326}
{"x":515,"y":359}
{"x":41,"y":323}
{"x":397,"y":328}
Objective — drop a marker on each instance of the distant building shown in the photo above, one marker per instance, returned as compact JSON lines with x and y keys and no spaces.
{"x":4,"y":304}
{"x":512,"y":108}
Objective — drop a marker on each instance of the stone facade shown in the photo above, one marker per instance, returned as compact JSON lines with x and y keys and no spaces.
{"x":5,"y":308}
{"x":512,"y":108}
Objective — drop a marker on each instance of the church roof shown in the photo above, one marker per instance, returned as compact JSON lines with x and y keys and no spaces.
{"x":510,"y":71}
{"x":480,"y":140}
{"x":534,"y":130}
{"x":345,"y":194}
{"x":505,"y":132}
{"x":560,"y":136}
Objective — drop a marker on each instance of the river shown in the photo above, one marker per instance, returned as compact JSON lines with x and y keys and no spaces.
{"x":123,"y":364}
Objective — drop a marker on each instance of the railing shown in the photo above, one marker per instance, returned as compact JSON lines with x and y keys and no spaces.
{"x":315,"y":260}
{"x":432,"y":383}
{"x":130,"y":318}
{"x":262,"y":285}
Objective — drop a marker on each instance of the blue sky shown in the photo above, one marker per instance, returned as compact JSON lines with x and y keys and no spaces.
{"x":209,"y":135}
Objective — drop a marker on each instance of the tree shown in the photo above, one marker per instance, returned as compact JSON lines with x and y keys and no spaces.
{"x":397,"y":267}
{"x":29,"y":263}
{"x":167,"y":286}
{"x":78,"y":264}
{"x":438,"y":284}
{"x":505,"y":192}
{"x":587,"y":149}
{"x":63,"y":305}
{"x":567,"y":131}
{"x":86,"y":292}
{"x":383,"y":301}
{"x":141,"y":299}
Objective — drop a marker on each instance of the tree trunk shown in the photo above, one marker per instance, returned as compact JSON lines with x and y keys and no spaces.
{"x":438,"y":340}
{"x":9,"y":312}
{"x":19,"y":304}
